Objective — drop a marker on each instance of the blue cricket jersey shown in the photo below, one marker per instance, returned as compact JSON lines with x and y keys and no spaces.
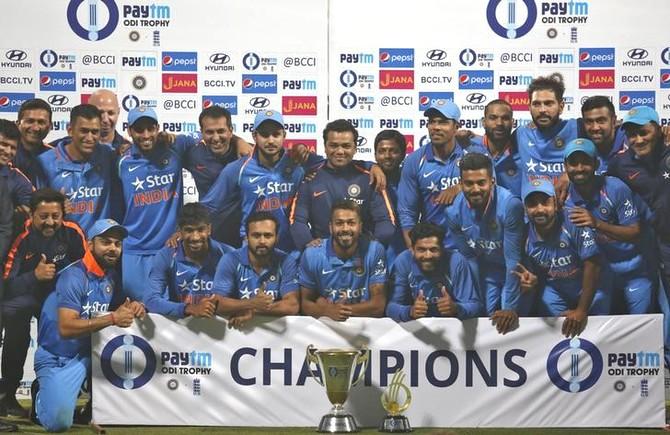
{"x":333,"y":278}
{"x":506,"y":165}
{"x":91,"y":186}
{"x":397,"y":243}
{"x":175,"y":281}
{"x":152,"y":194}
{"x":26,"y":161}
{"x":19,"y":186}
{"x":205,"y":166}
{"x":452,"y":272}
{"x":236,"y":278}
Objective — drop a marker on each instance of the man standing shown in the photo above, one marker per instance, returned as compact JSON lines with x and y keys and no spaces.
{"x":20,"y":188}
{"x":83,"y":169}
{"x":486,"y":222}
{"x":431,"y":282}
{"x":46,"y":246}
{"x":600,"y":125}
{"x":429,"y":181}
{"x":187,"y":271}
{"x":86,"y":292}
{"x":345,"y":275}
{"x":34,"y":122}
{"x":257,"y":278}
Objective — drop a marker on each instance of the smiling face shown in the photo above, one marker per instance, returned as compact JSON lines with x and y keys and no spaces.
{"x":47,"y":218}
{"x":340,"y":148}
{"x":34,"y":125}
{"x":477,"y":186}
{"x":427,"y":253}
{"x":541,"y":209}
{"x":85,"y":135}
{"x":545,"y":109}
{"x":345,"y":228}
{"x":106,"y":248}
{"x":643,"y":138}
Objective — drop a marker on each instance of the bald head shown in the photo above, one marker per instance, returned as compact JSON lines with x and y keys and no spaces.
{"x":106,"y":101}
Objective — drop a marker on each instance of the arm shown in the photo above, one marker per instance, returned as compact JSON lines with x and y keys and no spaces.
{"x":399,"y":307}
{"x":383,"y":217}
{"x":513,"y":234}
{"x":300,"y":216}
{"x":465,"y":294}
{"x":624,"y":233}
{"x":374,"y":307}
{"x":575,"y":320}
{"x":226,"y":289}
{"x":317,"y":306}
{"x":155,"y":296}
{"x":408,"y":199}
{"x":289,"y":304}
{"x":70,"y":325}
{"x":224,"y":192}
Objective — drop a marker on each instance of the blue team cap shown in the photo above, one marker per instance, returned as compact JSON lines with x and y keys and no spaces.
{"x":445,"y":108}
{"x":141,"y":112}
{"x":268,"y":115}
{"x":640,"y":115}
{"x":102,"y":226}
{"x":583,"y":145}
{"x":538,"y":185}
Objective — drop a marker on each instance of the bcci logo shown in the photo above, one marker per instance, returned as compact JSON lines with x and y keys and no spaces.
{"x":93,"y":31}
{"x":511,"y":30}
{"x":128,"y":362}
{"x":579,"y":352}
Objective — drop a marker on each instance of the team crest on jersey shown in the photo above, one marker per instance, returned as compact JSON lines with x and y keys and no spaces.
{"x":511,"y":172}
{"x":563,"y":244}
{"x":61,"y":249}
{"x":560,"y":143}
{"x":166,"y":162}
{"x":354,"y":190}
{"x":359,"y":271}
{"x":108,"y":289}
{"x":603,"y":210}
{"x":536,"y":182}
{"x":272,"y":278}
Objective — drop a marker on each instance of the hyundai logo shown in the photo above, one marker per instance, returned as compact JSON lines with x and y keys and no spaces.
{"x":259,"y":102}
{"x":219,"y":58}
{"x":637,"y":53}
{"x":16,"y":55}
{"x":361,"y":141}
{"x":436,"y":55}
{"x":476,"y":98}
{"x":58,"y":100}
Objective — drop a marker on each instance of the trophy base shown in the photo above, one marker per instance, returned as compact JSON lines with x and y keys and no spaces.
{"x":343,"y":423}
{"x":395,"y":424}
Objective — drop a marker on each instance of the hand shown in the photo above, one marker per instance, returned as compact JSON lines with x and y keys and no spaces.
{"x":562,"y":186}
{"x":238,"y":320}
{"x":45,"y":271}
{"x":69,"y":208}
{"x":262,"y":300}
{"x":243,"y":147}
{"x":299,"y":153}
{"x":205,"y":308}
{"x":23,"y":210}
{"x":420,"y":307}
{"x":582,"y":218}
{"x":447,"y":196}
{"x":463,"y":137}
{"x":313,"y":243}
{"x":136,"y":307}
{"x":505,"y":321}
{"x":574,"y":323}
{"x":528,"y":281}
{"x":123,"y":316}
{"x":173,"y":241}
{"x":123,"y":147}
{"x":338,"y":311}
{"x":165,"y":138}
{"x":309,"y":176}
{"x":378,"y":178}
{"x":445,"y":305}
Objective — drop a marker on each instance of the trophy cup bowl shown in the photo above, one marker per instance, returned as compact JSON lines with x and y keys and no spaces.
{"x":337,"y":367}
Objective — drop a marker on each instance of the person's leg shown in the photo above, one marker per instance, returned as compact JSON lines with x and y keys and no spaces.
{"x":135,"y":274}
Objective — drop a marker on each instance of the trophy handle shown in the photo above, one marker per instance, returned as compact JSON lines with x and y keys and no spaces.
{"x":311,"y":358}
{"x":363,"y":358}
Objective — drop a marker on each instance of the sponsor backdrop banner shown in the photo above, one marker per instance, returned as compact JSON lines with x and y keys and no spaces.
{"x":198,"y":372}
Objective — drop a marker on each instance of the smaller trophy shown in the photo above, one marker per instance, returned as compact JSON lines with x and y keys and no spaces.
{"x":394,"y":421}
{"x":337,"y":368}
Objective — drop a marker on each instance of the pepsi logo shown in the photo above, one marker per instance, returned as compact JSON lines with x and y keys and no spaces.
{"x":625,"y":99}
{"x":665,"y":78}
{"x":45,"y":80}
{"x":384,"y":56}
{"x":167,"y":60}
{"x":4,"y":101}
{"x":464,"y":78}
{"x":207,"y":103}
{"x":424,"y":100}
{"x":584,"y":56}
{"x":247,"y":83}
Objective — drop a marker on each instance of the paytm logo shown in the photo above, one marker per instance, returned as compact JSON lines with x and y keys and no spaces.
{"x":58,"y":81}
{"x":596,"y":57}
{"x":630,"y":99}
{"x":259,"y":83}
{"x":228,"y":102}
{"x":428,"y":98}
{"x":396,"y":58}
{"x":475,"y":79}
{"x":180,"y":61}
{"x":10,"y":102}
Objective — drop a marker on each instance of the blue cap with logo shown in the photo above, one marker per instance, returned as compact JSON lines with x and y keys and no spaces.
{"x":268,"y":115}
{"x":141,"y":112}
{"x":101,"y":226}
{"x":445,"y":108}
{"x":640,"y":115}
{"x":583,"y":145}
{"x":543,"y":185}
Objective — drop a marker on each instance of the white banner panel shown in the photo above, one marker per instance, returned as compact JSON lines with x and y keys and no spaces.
{"x":198,"y":372}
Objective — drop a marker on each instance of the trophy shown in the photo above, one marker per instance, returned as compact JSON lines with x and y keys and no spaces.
{"x":337,"y":368}
{"x":394,"y":421}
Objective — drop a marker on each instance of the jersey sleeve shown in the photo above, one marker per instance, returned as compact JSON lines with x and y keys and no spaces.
{"x":289,"y":278}
{"x":306,"y":276}
{"x":409,"y":196}
{"x":184,"y":142}
{"x":465,"y":292}
{"x":513,"y":233}
{"x":22,"y":190}
{"x":156,"y":298}
{"x":225,"y":192}
{"x":300,"y":216}
{"x":626,"y":210}
{"x":225,"y":278}
{"x":400,"y":303}
{"x":584,"y":240}
{"x":383,"y":217}
{"x":377,"y":264}
{"x":70,"y":288}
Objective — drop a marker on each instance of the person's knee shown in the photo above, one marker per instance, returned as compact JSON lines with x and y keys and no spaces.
{"x":56,"y":417}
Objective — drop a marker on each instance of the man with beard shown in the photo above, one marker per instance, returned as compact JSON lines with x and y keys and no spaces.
{"x":564,"y":262}
{"x":34,"y":122}
{"x":431,"y":282}
{"x":390,"y":149}
{"x":257,"y":278}
{"x":345,"y":275}
{"x":86,"y":292}
{"x":44,"y":248}
{"x":429,"y":180}
{"x":600,"y":125}
{"x":500,"y":145}
{"x":83,"y":169}
{"x":606,"y":205}
{"x":186,"y":271}
{"x":487,"y":224}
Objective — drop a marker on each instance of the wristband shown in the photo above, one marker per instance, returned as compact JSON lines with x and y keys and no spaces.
{"x":113,"y":319}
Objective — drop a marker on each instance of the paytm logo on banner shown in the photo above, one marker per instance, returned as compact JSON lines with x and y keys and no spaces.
{"x":428,"y":98}
{"x":596,"y":57}
{"x":630,"y":99}
{"x":123,"y":348}
{"x":579,"y":350}
{"x":512,"y":29}
{"x":10,"y":102}
{"x":259,"y":83}
{"x":58,"y":81}
{"x":665,"y":78}
{"x":228,"y":102}
{"x":180,"y":61}
{"x":89,"y":28}
{"x":475,"y":79}
{"x":396,"y":58}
